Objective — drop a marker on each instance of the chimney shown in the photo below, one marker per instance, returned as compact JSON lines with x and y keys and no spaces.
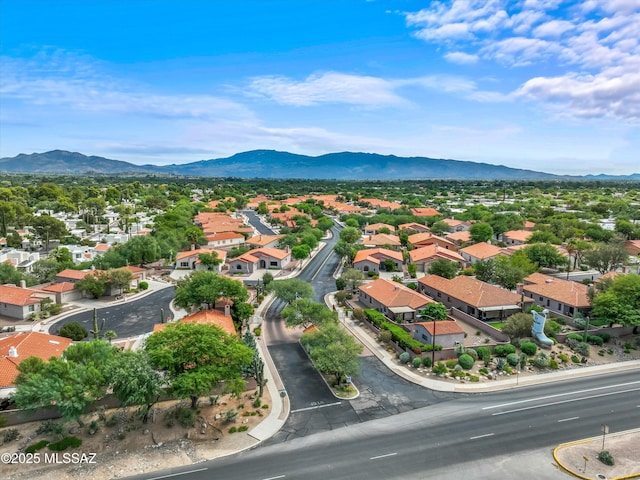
{"x":23,"y":284}
{"x":13,"y":352}
{"x":227,"y":310}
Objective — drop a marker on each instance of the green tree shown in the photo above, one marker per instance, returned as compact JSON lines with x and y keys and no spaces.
{"x":120,"y":278}
{"x":620,"y":303}
{"x":481,"y":232}
{"x":301,"y":251}
{"x":434,"y":311}
{"x":607,"y":257}
{"x":304,"y":312}
{"x":544,"y":255}
{"x":134,"y":381}
{"x":197,"y":358}
{"x":94,"y":284}
{"x":49,"y":228}
{"x":484,"y":270}
{"x":210,"y":260}
{"x":439,"y":228}
{"x":74,"y":331}
{"x":345,"y":250}
{"x":353,"y":278}
{"x":291,"y":289}
{"x":262,"y":209}
{"x":333,"y":351}
{"x":350,"y":235}
{"x":204,"y":287}
{"x":140,"y":250}
{"x":444,"y":268}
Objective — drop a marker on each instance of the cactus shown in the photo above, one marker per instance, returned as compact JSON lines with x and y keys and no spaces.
{"x":162,"y":315}
{"x":96,"y":331}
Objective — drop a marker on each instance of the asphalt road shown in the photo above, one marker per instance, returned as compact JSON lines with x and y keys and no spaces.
{"x":127,"y":319}
{"x":452,"y":438}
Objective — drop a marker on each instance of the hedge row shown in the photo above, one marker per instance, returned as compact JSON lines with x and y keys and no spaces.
{"x":398,"y":334}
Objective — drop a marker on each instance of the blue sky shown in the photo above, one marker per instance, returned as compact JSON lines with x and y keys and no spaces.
{"x":548,"y":85}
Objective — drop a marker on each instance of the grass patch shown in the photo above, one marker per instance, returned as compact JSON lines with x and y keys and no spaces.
{"x":497,"y":325}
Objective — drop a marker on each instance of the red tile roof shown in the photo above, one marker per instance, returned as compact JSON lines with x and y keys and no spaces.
{"x":424,"y":212}
{"x":76,"y":274}
{"x":205,"y":317}
{"x":563,"y":291}
{"x":375,"y":254}
{"x":13,"y":295}
{"x":441,"y":327}
{"x":472,"y":291}
{"x":394,"y":294}
{"x":434,"y":251}
{"x":27,"y":344}
{"x":60,"y":287}
{"x":482,"y":250}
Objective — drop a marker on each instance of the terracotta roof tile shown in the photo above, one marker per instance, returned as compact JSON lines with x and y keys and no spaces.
{"x":60,"y":287}
{"x":205,"y":317}
{"x":434,"y":251}
{"x":13,"y":295}
{"x":424,"y":212}
{"x":472,"y":291}
{"x":382,"y":239}
{"x":482,"y":250}
{"x":442,"y":327}
{"x":563,"y":291}
{"x":377,"y":254}
{"x":393,"y":294}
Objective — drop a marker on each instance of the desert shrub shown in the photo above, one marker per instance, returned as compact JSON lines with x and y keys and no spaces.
{"x":605,"y":457}
{"x":605,"y":337}
{"x":66,"y":442}
{"x":575,"y":359}
{"x":265,"y":406}
{"x":474,"y":378}
{"x":541,"y":360}
{"x":460,"y":349}
{"x":518,"y":325}
{"x":34,"y":447}
{"x":501,"y":363}
{"x":451,"y":363}
{"x":439,"y":368}
{"x":257,"y":402}
{"x":504,"y":350}
{"x":50,"y":427}
{"x":582,"y":348}
{"x":483,"y":371}
{"x":111,"y":421}
{"x":575,"y":336}
{"x":553,"y":364}
{"x":10,"y":435}
{"x":233,"y":430}
{"x":595,"y":340}
{"x":513,"y":359}
{"x":404,"y":358}
{"x":243,"y":428}
{"x":529,"y":348}
{"x":507,"y":369}
{"x":143,"y":285}
{"x":426,"y":361}
{"x":466,"y":361}
{"x":385,"y":336}
{"x":257,"y":331}
{"x":472,"y":352}
{"x":482,"y":350}
{"x":552,"y":328}
{"x":93,"y":427}
{"x":417,"y":362}
{"x":186,"y":417}
{"x":230,"y":415}
{"x":563,"y":357}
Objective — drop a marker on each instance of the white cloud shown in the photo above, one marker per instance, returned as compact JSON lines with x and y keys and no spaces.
{"x":461,"y":58}
{"x":329,"y":87}
{"x":593,"y":48}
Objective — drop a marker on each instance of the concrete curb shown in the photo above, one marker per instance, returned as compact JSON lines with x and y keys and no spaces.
{"x":589,"y":440}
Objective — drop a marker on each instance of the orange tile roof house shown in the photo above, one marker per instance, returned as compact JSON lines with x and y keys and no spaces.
{"x":424,"y":212}
{"x":472,"y":296}
{"x":447,"y":333}
{"x":64,"y":291}
{"x":190,"y":260}
{"x":393,"y":299}
{"x":516,"y":237}
{"x":557,"y":295}
{"x":372,"y":259}
{"x":225,"y":240}
{"x":457,"y":225}
{"x":16,"y":348}
{"x":206,"y":317}
{"x":378,"y":204}
{"x":381,"y":240}
{"x":423,"y":257}
{"x":459,"y":238}
{"x":19,"y":302}
{"x":260,"y":258}
{"x":418,"y":227}
{"x":632,"y":247}
{"x":374,"y":228}
{"x":480,"y":251}
{"x":260,"y":241}
{"x":423,"y":239}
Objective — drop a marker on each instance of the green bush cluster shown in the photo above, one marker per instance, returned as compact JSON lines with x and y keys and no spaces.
{"x":513,"y":359}
{"x":563,"y":357}
{"x":10,"y":435}
{"x":143,"y":285}
{"x":575,"y":336}
{"x":451,"y":363}
{"x":439,"y":368}
{"x":605,"y":457}
{"x":426,"y":361}
{"x":541,"y":360}
{"x":404,"y":358}
{"x":529,"y":348}
{"x":34,"y":447}
{"x":595,"y":340}
{"x":504,"y":350}
{"x":466,"y":361}
{"x":66,"y":442}
{"x":417,"y":362}
{"x":582,"y":348}
{"x":399,"y":334}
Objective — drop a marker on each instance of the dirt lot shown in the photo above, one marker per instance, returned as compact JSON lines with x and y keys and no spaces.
{"x":118,"y":448}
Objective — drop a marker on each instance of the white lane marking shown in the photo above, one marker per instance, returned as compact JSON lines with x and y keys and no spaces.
{"x":564,"y":401}
{"x":481,"y":436}
{"x":558,"y":395}
{"x":568,"y":419}
{"x":181,"y":473}
{"x":320,"y":267}
{"x":315,"y":407}
{"x":384,"y":456}
{"x":274,"y":478}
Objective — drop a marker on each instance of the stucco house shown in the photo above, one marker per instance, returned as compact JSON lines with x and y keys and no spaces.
{"x":264,"y":241}
{"x":260,"y":258}
{"x":516,"y":237}
{"x":384,"y":240}
{"x":394,"y":300}
{"x":480,"y":251}
{"x":557,"y":295}
{"x":190,"y":260}
{"x":418,"y":240}
{"x":423,"y":257}
{"x":373,"y":259}
{"x":446,"y":332}
{"x":225,"y":240}
{"x":472,"y":296}
{"x":19,"y":302}
{"x":375,"y":228}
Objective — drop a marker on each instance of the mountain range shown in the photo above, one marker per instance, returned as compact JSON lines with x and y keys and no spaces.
{"x":275,"y":164}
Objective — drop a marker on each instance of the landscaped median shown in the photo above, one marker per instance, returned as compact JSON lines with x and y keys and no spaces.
{"x":586,"y":459}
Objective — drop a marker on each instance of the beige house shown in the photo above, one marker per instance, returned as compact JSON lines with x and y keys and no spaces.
{"x":423,"y":257}
{"x":372,"y":259}
{"x":260,"y":258}
{"x":480,"y":251}
{"x":446,"y":332}
{"x":557,"y":295}
{"x":382,"y":240}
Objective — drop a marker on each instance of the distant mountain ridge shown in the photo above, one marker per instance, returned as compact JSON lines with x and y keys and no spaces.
{"x":276,"y":164}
